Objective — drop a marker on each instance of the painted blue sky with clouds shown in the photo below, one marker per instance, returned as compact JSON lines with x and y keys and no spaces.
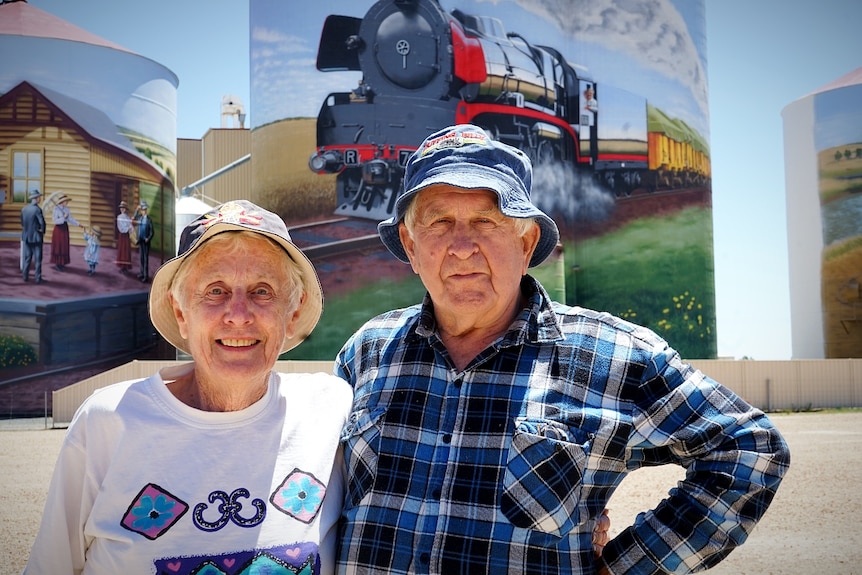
{"x":838,"y":116}
{"x":654,"y":48}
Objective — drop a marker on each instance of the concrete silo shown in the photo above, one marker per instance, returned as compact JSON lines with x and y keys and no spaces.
{"x":86,"y":117}
{"x":823,"y":174}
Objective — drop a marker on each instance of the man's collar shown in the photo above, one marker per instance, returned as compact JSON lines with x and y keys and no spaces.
{"x":536,"y":322}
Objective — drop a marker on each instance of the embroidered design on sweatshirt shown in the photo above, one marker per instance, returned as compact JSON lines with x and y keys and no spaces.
{"x":300,"y":495}
{"x":231,"y":509}
{"x":295,"y":559}
{"x":153,"y":511}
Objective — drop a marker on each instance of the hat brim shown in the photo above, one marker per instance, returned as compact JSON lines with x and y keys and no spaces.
{"x":162,"y":313}
{"x":468,"y":177}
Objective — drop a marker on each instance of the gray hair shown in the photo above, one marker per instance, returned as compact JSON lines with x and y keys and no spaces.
{"x":226,"y":239}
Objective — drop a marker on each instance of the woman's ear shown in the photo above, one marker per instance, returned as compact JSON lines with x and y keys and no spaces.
{"x":290,"y":330}
{"x":178,"y":315}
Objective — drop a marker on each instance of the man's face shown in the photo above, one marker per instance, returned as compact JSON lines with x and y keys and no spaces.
{"x":468,"y":255}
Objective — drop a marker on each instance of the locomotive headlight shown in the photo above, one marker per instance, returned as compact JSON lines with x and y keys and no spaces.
{"x":375,"y":172}
{"x":329,"y":161}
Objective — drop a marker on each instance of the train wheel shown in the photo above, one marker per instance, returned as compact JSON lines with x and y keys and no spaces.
{"x":548,"y":152}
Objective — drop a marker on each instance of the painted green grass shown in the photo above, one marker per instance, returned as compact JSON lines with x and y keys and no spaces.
{"x":345,"y":314}
{"x":657,"y":272}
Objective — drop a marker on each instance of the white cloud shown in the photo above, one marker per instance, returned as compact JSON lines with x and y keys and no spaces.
{"x":651,"y":32}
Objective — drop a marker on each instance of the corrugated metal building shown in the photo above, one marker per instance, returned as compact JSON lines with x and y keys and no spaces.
{"x":219,"y":148}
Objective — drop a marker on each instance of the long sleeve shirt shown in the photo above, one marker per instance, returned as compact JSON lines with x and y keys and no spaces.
{"x":504,"y":466}
{"x":124,"y":223}
{"x":145,"y":484}
{"x":62,"y":215}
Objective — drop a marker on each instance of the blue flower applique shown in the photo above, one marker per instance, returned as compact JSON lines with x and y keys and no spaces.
{"x":153,"y":511}
{"x":300,"y":495}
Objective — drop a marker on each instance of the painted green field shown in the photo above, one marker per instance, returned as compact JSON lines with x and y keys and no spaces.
{"x":657,"y":272}
{"x":343,"y":315}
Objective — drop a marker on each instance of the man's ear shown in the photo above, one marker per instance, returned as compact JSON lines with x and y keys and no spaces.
{"x":409,"y":245}
{"x":531,"y":240}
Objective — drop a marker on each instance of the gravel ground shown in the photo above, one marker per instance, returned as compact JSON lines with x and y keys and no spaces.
{"x":813,"y":527}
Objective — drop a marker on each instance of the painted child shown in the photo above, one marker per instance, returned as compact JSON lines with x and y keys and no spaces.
{"x":91,"y":253}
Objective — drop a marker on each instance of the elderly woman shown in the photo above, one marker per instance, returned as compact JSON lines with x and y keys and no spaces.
{"x":220,"y":465}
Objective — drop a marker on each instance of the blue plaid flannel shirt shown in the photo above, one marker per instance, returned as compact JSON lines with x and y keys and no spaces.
{"x":503,"y":467}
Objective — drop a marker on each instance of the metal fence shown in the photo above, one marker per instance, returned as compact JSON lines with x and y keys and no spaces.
{"x":770,"y":385}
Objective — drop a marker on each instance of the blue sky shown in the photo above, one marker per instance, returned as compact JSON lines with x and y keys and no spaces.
{"x":761,"y":56}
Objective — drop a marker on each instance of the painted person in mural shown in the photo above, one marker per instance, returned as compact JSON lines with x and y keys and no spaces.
{"x":93,"y":237}
{"x":124,"y":239}
{"x":491,"y":425}
{"x":221,"y":463}
{"x":590,"y":102}
{"x":145,"y":230}
{"x":61,"y":217}
{"x":32,"y":237}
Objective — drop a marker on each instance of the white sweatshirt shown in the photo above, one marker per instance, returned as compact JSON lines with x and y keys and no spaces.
{"x":145,"y":484}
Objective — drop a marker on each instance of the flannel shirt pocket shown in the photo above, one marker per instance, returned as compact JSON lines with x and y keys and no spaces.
{"x":361,"y":440}
{"x":543,"y":478}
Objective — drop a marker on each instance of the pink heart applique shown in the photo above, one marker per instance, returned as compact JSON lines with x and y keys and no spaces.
{"x":294,"y":553}
{"x":175,"y":566}
{"x":229,"y":562}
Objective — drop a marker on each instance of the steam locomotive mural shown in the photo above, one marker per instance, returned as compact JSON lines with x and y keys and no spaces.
{"x":424,"y":68}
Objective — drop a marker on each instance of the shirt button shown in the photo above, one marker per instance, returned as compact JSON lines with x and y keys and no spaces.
{"x":424,"y":558}
{"x":436,"y":494}
{"x":458,"y":383}
{"x":447,"y":438}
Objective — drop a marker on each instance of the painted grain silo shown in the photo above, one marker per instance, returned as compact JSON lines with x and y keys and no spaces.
{"x":612,"y":110}
{"x":823,"y":174}
{"x":90,"y":125}
{"x":84,"y":117}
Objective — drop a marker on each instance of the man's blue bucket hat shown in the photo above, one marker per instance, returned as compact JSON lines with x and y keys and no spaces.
{"x":466,"y":157}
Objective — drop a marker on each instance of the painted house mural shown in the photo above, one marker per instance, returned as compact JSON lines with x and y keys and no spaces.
{"x":87,"y":120}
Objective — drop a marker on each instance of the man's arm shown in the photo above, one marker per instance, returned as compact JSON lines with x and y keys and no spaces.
{"x":735,"y":460}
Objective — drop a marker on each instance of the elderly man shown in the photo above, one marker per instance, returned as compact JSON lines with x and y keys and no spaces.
{"x":491,"y":425}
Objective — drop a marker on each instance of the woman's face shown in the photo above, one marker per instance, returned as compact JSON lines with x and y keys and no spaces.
{"x":234,"y":307}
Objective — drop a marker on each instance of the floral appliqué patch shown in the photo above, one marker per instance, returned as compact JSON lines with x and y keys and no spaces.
{"x":153,"y":511}
{"x":300,"y":495}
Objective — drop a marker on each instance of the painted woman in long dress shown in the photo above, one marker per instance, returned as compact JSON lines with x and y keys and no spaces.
{"x":62,"y":217}
{"x":124,"y":242}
